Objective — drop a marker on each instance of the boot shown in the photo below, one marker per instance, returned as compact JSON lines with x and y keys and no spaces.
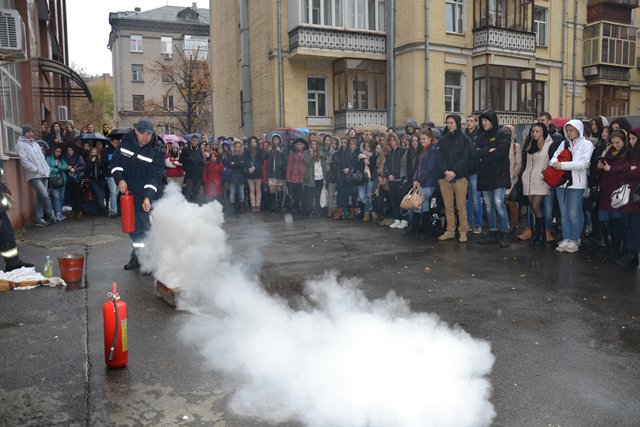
{"x":447,"y":235}
{"x":541,"y":231}
{"x":367,"y":217}
{"x":331,"y":212}
{"x":549,"y":237}
{"x":628,"y":260}
{"x":514,"y":215}
{"x":534,"y":237}
{"x":133,"y":263}
{"x":526,"y":234}
{"x":604,"y":236}
{"x":338,"y":215}
{"x":489,"y":239}
{"x":505,"y":240}
{"x":352,"y":213}
{"x":616,"y":228}
{"x":412,"y":230}
{"x":14,"y":263}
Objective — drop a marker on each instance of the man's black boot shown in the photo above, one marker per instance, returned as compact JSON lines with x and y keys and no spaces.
{"x":133,"y":263}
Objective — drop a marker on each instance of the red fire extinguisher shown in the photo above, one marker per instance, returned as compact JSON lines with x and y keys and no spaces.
{"x":128,"y":213}
{"x":116,"y":346}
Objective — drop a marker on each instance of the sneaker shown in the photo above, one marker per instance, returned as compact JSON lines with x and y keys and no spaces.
{"x":60,"y":217}
{"x":52,"y":219}
{"x":477,"y":230}
{"x":561,"y":246}
{"x":395,"y":224}
{"x":41,"y":223}
{"x":571,"y":247}
{"x":113,"y":216}
{"x":403,"y":224}
{"x":66,"y":209}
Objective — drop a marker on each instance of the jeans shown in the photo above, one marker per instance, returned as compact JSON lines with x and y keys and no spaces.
{"x":43,"y":202}
{"x":570,"y":201}
{"x":426,"y":193}
{"x":236,"y":192}
{"x":364,"y":193}
{"x":548,"y":207}
{"x":604,"y":216}
{"x":395,"y":196}
{"x":57,"y":197}
{"x":494,"y":201}
{"x":98,"y":191}
{"x":474,"y":202}
{"x":331,"y":195}
{"x":632,"y":232}
{"x":113,"y":195}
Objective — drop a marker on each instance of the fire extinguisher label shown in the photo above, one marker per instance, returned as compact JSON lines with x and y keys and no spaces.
{"x":125,"y":344}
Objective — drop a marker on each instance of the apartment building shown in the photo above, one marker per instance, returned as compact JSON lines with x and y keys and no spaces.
{"x":36,"y":83}
{"x":329,"y":65}
{"x":141,"y":42}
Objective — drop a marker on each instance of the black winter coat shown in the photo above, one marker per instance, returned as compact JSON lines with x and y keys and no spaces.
{"x":454,"y":154}
{"x":192,"y":162}
{"x":493,"y":166}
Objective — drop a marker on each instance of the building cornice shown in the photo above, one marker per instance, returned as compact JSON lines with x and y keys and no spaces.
{"x":200,"y":29}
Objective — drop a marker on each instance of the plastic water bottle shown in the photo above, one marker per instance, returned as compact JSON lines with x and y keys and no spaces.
{"x":48,"y":267}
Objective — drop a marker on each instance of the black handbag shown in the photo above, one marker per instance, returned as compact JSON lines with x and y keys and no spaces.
{"x":516,"y":191}
{"x":355,"y":178}
{"x":56,"y":181}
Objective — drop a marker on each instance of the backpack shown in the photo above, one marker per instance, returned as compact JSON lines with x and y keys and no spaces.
{"x":556,"y":178}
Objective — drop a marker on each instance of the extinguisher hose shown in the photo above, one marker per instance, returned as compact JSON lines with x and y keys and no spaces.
{"x":115,"y":332}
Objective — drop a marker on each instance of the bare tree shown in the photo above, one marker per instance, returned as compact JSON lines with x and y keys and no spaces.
{"x":187,"y":96}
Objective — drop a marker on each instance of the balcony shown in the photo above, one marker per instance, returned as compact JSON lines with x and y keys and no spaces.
{"x":610,"y":10}
{"x":336,"y":43}
{"x":345,"y":119}
{"x":502,"y":40}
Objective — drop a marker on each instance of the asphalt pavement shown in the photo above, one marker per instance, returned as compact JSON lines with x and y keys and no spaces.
{"x":564,"y":328}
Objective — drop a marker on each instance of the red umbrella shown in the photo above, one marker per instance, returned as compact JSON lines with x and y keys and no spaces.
{"x":559,"y":122}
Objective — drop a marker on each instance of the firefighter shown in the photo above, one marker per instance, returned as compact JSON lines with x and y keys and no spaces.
{"x":137,"y":167}
{"x":8,"y":248}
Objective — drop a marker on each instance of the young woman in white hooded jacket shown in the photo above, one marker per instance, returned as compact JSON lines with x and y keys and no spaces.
{"x":571,"y":193}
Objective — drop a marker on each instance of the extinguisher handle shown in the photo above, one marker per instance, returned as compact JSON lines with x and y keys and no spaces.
{"x":114,"y":289}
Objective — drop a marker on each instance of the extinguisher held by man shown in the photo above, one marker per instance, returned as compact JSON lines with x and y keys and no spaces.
{"x":137,"y":167}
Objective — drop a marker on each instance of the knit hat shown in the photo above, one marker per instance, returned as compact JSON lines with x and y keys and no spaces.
{"x":26,"y":128}
{"x":436,"y":134}
{"x":175,"y":145}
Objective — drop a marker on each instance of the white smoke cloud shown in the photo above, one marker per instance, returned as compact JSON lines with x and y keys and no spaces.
{"x":339,"y":360}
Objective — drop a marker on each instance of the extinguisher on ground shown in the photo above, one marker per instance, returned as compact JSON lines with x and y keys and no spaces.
{"x":128,"y":213}
{"x":116,"y":346}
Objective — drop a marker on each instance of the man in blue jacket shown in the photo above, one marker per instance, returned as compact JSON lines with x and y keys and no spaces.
{"x":137,"y":167}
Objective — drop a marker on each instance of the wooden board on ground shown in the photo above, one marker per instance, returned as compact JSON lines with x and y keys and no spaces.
{"x":166,"y":293}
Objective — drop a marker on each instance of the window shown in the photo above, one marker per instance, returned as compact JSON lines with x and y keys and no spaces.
{"x":166,"y":46}
{"x":540,"y":98}
{"x":316,"y":97}
{"x":513,"y":15}
{"x":136,"y":73}
{"x":10,"y":111}
{"x":452,"y":91}
{"x":608,"y":43}
{"x":138,"y":102}
{"x":167,"y":102}
{"x":136,"y":43}
{"x":359,"y":84}
{"x":196,"y":47}
{"x":607,"y":100}
{"x":540,"y":25}
{"x":454,"y":19}
{"x":165,"y":76}
{"x":503,"y":88}
{"x":361,"y":14}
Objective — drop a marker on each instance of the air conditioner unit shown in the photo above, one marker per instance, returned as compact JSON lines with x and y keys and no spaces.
{"x":63,"y":113}
{"x":167,"y":55}
{"x":12,"y":37}
{"x":590,"y":71}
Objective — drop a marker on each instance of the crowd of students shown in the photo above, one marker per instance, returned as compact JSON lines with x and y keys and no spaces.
{"x":473,"y":176}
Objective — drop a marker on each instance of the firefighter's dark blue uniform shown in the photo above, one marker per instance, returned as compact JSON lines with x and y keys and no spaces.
{"x":142,"y":168}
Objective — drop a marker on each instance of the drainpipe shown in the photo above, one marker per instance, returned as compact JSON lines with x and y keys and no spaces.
{"x":426,"y":59}
{"x":575,"y":55}
{"x":245,"y":67}
{"x":391,"y":63}
{"x":563,"y":60}
{"x":280,"y":71}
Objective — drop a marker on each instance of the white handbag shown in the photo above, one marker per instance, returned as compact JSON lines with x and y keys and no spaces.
{"x":620,"y":196}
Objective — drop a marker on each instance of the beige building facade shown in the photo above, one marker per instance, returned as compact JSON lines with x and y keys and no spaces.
{"x":326,"y":65}
{"x":141,"y":43}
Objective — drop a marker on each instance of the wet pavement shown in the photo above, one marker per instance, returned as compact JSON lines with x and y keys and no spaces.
{"x":564,"y":328}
